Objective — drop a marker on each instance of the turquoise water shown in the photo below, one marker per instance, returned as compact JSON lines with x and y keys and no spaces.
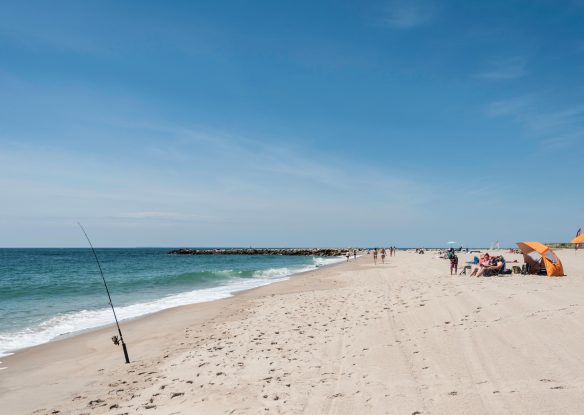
{"x":45,"y":293}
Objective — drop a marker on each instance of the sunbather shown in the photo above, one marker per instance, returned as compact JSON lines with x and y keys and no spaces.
{"x":483,"y":262}
{"x":496,"y":265}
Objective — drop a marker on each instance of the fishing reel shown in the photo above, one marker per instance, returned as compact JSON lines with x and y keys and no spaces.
{"x":116,"y":340}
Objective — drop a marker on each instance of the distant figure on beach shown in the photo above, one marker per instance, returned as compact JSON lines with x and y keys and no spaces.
{"x":375,"y":256}
{"x":383,"y":255}
{"x":348,"y":255}
{"x":453,"y":264}
{"x":354,"y":253}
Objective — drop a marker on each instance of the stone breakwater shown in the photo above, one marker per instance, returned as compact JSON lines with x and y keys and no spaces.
{"x":324,"y":252}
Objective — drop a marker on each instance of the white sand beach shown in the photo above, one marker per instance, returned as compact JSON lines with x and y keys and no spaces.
{"x":400,"y":338}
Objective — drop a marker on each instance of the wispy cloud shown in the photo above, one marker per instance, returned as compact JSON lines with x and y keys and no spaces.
{"x":563,"y":141}
{"x":505,"y":69}
{"x":554,"y":128}
{"x":163,"y":216}
{"x":57,"y":37}
{"x":512,"y":106}
{"x":404,"y":14}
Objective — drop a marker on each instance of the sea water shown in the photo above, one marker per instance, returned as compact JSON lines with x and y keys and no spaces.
{"x":47,"y":293}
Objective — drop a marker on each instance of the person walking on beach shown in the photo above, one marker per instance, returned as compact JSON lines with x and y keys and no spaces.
{"x":375,"y":256}
{"x":355,"y":254}
{"x":453,"y":263}
{"x":383,"y":255}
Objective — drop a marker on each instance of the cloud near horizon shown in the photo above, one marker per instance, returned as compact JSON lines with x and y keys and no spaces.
{"x":199,"y":185}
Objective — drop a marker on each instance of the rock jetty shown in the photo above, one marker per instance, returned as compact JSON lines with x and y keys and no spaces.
{"x":325,"y":252}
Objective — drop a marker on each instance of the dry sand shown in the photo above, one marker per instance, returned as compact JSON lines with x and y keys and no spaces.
{"x":399,"y":338}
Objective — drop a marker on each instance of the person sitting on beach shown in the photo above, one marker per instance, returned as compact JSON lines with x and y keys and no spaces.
{"x":483,"y":262}
{"x":453,"y":264}
{"x":495,"y":265}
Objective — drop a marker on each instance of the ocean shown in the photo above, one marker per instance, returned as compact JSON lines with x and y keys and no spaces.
{"x":47,"y":293}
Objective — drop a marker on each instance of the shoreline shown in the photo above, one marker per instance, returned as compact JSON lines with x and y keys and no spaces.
{"x":65,"y":336}
{"x":93,"y":351}
{"x":402,"y":337}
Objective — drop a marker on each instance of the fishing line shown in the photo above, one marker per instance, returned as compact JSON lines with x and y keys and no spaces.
{"x":114,"y":338}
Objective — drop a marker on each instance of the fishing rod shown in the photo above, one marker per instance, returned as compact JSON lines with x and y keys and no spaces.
{"x":115,"y":338}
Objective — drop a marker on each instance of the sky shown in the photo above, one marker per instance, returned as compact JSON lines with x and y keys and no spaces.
{"x":300,"y":123}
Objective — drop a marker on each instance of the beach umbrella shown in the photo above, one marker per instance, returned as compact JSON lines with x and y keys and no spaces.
{"x":538,"y":255}
{"x":578,"y":239}
{"x":451,"y":243}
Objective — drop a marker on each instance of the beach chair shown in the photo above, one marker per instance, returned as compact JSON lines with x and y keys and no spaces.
{"x":463,"y":271}
{"x":533,"y":267}
{"x":497,"y":271}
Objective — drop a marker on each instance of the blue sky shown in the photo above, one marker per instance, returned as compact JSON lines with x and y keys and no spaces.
{"x":291,"y":123}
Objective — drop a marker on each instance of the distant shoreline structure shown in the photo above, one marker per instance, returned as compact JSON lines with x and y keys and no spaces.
{"x":322,"y":252}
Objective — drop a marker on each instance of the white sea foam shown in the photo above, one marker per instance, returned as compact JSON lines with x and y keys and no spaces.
{"x":89,"y":319}
{"x":321,"y":262}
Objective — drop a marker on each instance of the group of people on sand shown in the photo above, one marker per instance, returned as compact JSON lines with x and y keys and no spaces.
{"x":487,"y":264}
{"x":383,"y":253}
{"x":348,"y":254}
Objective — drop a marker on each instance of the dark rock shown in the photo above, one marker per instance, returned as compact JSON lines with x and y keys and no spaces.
{"x":324,"y":252}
